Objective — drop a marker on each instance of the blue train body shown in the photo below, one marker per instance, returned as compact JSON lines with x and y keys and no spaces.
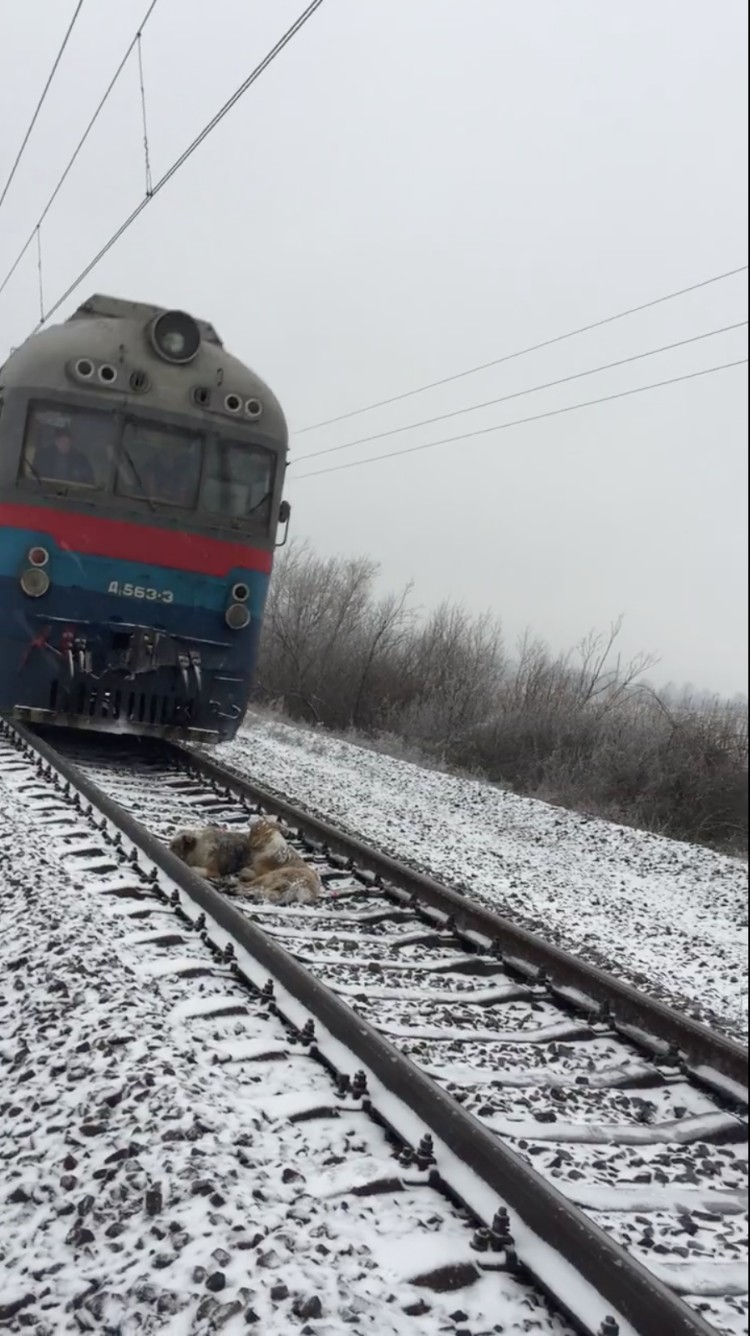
{"x":124,"y":605}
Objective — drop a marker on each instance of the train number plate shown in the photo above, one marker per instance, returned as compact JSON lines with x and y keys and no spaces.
{"x":140,"y":591}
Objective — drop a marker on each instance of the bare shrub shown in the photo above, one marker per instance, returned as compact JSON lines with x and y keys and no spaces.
{"x":327,"y":638}
{"x":582,"y":728}
{"x":449,"y":670}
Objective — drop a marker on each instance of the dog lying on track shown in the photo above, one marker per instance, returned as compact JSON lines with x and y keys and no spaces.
{"x":266,"y":867}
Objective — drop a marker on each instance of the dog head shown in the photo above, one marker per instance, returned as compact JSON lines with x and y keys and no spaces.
{"x":262,"y":831}
{"x":183,"y":844}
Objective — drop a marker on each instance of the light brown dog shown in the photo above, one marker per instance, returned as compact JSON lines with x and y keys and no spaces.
{"x":266,"y":866}
{"x":276,"y":871}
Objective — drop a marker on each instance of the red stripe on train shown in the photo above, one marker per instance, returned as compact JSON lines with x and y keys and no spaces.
{"x":120,"y":539}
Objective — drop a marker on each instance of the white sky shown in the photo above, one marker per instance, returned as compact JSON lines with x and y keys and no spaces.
{"x":412,"y":188}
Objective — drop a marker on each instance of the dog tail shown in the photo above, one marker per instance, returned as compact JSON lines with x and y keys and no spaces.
{"x":286,"y":886}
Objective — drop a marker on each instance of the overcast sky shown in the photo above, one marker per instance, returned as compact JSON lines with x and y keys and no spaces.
{"x":412,"y":188}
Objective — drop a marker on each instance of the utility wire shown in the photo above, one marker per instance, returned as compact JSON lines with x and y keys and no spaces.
{"x":39,"y":272}
{"x":179,"y":162}
{"x":519,"y":422}
{"x":522,"y":352}
{"x":79,"y":146}
{"x":518,"y":394}
{"x":39,"y":104}
{"x":146,"y":154}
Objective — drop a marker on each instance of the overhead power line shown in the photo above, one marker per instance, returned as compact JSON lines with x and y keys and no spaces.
{"x":519,"y":422}
{"x":519,"y":394}
{"x":179,"y":162}
{"x":39,"y":104}
{"x":522,"y":352}
{"x":35,"y":229}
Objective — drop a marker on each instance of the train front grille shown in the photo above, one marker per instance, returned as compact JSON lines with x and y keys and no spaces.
{"x":121,"y":704}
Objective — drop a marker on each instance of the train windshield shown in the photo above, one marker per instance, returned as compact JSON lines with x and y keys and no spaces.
{"x":160,"y":465}
{"x":157,"y":465}
{"x":238,"y":480}
{"x":68,"y":448}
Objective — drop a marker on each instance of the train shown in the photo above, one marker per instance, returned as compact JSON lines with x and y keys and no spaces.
{"x":141,"y":477}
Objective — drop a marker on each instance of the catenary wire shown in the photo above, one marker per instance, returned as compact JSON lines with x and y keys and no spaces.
{"x":519,"y":422}
{"x":518,"y":394}
{"x":39,"y":270}
{"x":179,"y":162}
{"x":40,"y":103}
{"x":532,"y":348}
{"x":78,"y":147}
{"x":146,"y":154}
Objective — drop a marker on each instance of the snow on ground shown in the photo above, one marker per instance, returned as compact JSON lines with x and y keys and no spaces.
{"x":669,"y":917}
{"x":151,"y":1179}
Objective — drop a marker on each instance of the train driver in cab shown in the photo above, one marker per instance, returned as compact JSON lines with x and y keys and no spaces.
{"x":60,"y":460}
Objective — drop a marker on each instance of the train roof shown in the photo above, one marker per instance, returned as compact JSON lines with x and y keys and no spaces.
{"x":117,"y":308}
{"x":123,"y":335}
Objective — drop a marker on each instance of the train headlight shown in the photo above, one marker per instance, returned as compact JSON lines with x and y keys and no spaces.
{"x":175,"y":337}
{"x":237,"y":616}
{"x":35,"y":582}
{"x":38,"y":556}
{"x":240,"y":593}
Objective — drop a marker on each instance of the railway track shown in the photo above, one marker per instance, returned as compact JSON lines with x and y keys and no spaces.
{"x":180,"y":1145}
{"x":609,"y":1132}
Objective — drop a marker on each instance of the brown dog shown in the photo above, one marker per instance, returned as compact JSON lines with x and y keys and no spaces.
{"x":277,"y":872}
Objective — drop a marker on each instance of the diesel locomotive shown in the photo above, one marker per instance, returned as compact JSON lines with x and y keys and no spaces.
{"x":141,"y":477}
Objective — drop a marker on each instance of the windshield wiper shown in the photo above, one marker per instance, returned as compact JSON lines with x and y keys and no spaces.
{"x":57,"y":485}
{"x":262,"y":502}
{"x":31,"y":469}
{"x":144,"y":495}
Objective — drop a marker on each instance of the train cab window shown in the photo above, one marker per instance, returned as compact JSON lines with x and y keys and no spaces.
{"x":160,"y":465}
{"x":68,"y":448}
{"x":238,"y":480}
